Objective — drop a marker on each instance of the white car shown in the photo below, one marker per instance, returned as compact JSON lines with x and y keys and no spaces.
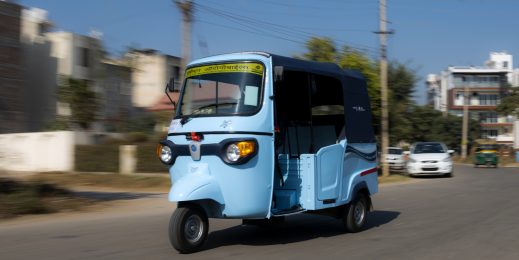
{"x":395,"y":158}
{"x":429,"y":158}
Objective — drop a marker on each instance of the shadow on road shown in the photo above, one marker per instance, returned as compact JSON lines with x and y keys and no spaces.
{"x":111,"y":196}
{"x":295,"y":229}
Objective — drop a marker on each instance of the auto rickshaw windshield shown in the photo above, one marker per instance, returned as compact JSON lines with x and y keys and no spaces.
{"x":222,"y":89}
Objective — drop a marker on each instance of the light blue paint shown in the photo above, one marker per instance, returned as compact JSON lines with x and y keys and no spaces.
{"x":322,"y":180}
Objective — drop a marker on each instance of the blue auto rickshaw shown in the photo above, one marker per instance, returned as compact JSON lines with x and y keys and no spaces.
{"x":258,"y":136}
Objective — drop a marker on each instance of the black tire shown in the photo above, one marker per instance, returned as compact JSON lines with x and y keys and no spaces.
{"x":448,"y":175}
{"x":355,"y":214}
{"x":188,"y":229}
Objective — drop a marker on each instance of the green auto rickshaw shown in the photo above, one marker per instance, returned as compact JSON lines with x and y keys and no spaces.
{"x":486,"y":154}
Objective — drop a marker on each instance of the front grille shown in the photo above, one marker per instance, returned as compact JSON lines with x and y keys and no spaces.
{"x":429,"y":161}
{"x":429,"y":169}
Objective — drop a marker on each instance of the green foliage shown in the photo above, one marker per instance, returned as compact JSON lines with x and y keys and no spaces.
{"x":509,"y":105}
{"x":427,"y":124}
{"x":97,"y":158}
{"x":147,"y":160}
{"x":59,"y":124}
{"x":82,"y":100}
{"x":321,"y":49}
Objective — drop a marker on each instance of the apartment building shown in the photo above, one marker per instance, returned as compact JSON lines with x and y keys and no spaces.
{"x":484,"y":87}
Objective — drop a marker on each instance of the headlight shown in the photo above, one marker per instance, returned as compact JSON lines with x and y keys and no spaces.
{"x":164,"y":153}
{"x":233,"y":153}
{"x":240,"y":152}
{"x":448,"y":159}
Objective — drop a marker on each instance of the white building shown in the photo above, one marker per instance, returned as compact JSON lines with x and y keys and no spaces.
{"x":486,"y":86}
{"x":151,"y":72}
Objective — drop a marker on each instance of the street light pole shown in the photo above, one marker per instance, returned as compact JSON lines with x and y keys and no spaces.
{"x":465,"y":125}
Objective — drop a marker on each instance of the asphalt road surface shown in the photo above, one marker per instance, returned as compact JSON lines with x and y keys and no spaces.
{"x":474,"y":215}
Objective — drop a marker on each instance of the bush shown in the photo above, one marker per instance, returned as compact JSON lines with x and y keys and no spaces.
{"x":97,"y":158}
{"x":147,"y":160}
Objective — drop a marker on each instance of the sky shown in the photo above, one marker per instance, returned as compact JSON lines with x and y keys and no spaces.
{"x":429,"y":35}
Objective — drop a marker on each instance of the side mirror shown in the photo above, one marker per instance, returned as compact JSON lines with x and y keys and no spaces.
{"x":171,"y":85}
{"x":451,"y":152}
{"x":407,"y":153}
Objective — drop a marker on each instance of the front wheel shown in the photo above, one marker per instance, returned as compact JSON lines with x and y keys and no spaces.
{"x":188,"y":229}
{"x":355,"y":214}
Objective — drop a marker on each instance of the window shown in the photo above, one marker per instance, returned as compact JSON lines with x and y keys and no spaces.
{"x":309,"y":112}
{"x":488,"y":117}
{"x":222,"y":89}
{"x":489,"y":133}
{"x":488,"y":99}
{"x":84,"y":57}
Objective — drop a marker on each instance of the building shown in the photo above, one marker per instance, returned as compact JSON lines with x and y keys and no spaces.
{"x":152,"y":70}
{"x":12,"y":116}
{"x":116,"y":102}
{"x":40,"y":67}
{"x":82,"y":57}
{"x":486,"y":86}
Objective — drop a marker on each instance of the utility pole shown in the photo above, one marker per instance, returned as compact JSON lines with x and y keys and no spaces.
{"x":465,"y":126}
{"x":383,"y":86}
{"x":186,"y":8}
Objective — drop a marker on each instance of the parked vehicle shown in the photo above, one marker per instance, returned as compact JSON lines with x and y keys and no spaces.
{"x":430,"y":158}
{"x":486,"y":154}
{"x":258,"y":136}
{"x":395,"y":158}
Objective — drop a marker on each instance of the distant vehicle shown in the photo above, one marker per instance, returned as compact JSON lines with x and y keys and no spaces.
{"x":486,"y":154}
{"x":259,"y":137}
{"x":395,"y":158}
{"x":430,"y":158}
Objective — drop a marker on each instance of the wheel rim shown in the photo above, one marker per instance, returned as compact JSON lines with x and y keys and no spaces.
{"x":194,"y":228}
{"x":359,"y":213}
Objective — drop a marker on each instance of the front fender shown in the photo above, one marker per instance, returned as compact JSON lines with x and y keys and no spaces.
{"x":195,"y":186}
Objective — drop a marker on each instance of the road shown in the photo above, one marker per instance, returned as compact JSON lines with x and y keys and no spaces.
{"x":473,"y":215}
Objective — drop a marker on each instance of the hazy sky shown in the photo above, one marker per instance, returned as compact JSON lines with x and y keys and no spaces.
{"x":429,"y":34}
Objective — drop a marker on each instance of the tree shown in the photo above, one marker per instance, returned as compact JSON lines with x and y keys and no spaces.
{"x":401,"y":84}
{"x":321,"y":49}
{"x":428,"y":124}
{"x":82,"y":101}
{"x":509,"y":105}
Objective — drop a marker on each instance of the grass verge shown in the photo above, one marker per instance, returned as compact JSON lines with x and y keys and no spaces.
{"x":393,"y":178}
{"x":22,"y":198}
{"x":117,"y":181}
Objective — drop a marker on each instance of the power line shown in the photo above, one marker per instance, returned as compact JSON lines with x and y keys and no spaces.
{"x":272,"y":29}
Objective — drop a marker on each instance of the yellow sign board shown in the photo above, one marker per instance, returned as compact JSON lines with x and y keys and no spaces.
{"x":255,"y":68}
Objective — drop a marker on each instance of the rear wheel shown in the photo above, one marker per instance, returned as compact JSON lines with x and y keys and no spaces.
{"x":188,"y":229}
{"x":355,"y":213}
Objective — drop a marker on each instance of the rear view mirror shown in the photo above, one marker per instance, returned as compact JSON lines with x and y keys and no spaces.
{"x":171,"y":85}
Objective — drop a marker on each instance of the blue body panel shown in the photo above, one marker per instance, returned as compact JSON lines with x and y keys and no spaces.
{"x":319,"y":181}
{"x":241,"y":191}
